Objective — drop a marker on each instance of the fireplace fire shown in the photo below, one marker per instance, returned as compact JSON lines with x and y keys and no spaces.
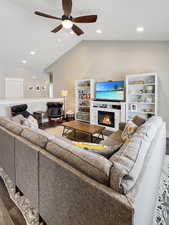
{"x":106,"y":118}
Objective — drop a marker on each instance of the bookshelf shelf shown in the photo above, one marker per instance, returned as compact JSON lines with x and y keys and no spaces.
{"x":141,"y":95}
{"x":84,"y":91}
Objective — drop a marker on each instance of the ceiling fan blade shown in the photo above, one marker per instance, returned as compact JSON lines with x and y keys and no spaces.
{"x":85,"y":19}
{"x":77,"y":30}
{"x":46,"y":15}
{"x":67,"y":7}
{"x":57,"y":29}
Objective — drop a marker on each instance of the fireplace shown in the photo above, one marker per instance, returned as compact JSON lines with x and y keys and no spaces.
{"x":108,"y":114}
{"x":106,"y":118}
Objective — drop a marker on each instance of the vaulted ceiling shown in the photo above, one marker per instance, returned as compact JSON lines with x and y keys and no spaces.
{"x":22,"y":31}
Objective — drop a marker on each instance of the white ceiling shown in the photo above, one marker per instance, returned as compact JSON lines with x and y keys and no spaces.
{"x":22,"y":31}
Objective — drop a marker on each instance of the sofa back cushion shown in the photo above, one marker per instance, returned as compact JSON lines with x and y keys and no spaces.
{"x":91,"y":164}
{"x":10,"y":125}
{"x":128,"y":162}
{"x":34,"y":137}
{"x":150,"y":127}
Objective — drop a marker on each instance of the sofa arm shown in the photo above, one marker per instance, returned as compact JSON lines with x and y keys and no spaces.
{"x":122,"y":126}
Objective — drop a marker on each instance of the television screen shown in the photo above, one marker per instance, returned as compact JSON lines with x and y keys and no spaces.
{"x":112,"y":91}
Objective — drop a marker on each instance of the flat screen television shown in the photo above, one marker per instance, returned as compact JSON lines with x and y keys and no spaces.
{"x":110,"y":91}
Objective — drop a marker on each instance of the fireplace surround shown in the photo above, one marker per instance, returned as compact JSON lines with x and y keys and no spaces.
{"x":107,"y":114}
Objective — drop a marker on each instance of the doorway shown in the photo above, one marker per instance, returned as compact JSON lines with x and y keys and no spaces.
{"x":14,"y":88}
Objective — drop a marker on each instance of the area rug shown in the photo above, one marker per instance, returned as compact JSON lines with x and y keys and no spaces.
{"x":55,"y":130}
{"x":161,"y":216}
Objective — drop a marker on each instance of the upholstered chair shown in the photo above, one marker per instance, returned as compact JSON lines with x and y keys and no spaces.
{"x":55,"y":111}
{"x":20,"y":109}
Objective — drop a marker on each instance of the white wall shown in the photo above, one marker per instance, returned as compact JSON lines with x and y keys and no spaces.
{"x":30,"y":78}
{"x":2,"y":84}
{"x":110,"y":60}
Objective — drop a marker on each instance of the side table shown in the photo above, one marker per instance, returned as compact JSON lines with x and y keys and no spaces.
{"x":70,"y":116}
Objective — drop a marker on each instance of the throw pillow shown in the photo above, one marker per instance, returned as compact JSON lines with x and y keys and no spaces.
{"x":31,"y":122}
{"x":100,"y":149}
{"x":88,"y":146}
{"x":129,"y":130}
{"x":138,"y":120}
{"x":18,"y":119}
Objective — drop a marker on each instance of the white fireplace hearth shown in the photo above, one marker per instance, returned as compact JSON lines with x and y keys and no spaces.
{"x":107,"y":114}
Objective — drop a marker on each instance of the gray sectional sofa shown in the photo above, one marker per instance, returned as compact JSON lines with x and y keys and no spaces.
{"x":70,"y":186}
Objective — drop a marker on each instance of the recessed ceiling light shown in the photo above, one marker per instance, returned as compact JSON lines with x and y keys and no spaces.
{"x":99,"y":31}
{"x":140,"y":29}
{"x":24,"y":61}
{"x":32,"y":53}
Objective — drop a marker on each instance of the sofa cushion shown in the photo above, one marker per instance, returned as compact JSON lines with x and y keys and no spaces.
{"x":51,"y":137}
{"x":35,"y":137}
{"x":150,"y":127}
{"x":129,"y":160}
{"x":128,"y":163}
{"x":93,"y":165}
{"x":10,"y":125}
{"x":138,"y":120}
{"x":114,"y":140}
{"x":31,"y":122}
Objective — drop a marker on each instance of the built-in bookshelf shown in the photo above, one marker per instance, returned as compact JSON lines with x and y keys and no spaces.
{"x":84,"y":92}
{"x":141,"y":95}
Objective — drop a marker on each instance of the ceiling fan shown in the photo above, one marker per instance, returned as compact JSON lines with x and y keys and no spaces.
{"x":67,"y":19}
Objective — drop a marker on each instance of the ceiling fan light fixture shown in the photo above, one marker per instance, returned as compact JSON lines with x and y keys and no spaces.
{"x":67,"y":20}
{"x":67,"y":24}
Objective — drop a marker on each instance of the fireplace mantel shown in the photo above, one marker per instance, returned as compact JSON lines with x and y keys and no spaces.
{"x":116,"y":108}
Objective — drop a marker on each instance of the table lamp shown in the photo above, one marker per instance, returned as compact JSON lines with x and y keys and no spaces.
{"x":64,"y":94}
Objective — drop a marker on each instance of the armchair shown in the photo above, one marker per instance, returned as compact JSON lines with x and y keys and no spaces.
{"x":55,"y":111}
{"x":20,"y":109}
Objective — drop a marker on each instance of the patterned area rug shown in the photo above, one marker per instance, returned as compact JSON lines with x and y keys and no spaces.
{"x":161,"y":216}
{"x":10,"y":211}
{"x":55,"y":130}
